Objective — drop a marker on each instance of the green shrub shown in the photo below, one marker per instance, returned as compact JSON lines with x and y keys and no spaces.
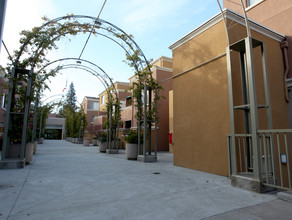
{"x":103,"y":137}
{"x":132,"y":137}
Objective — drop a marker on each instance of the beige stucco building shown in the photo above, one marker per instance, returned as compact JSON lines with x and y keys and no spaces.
{"x":201,"y":105}
{"x":276,"y":15}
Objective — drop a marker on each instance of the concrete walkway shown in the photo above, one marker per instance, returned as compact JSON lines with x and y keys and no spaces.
{"x":69,"y":181}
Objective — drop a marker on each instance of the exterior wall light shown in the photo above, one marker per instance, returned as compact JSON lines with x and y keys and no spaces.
{"x":283,"y":158}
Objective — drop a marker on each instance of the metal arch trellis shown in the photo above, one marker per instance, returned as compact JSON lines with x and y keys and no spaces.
{"x":99,"y":24}
{"x":102,"y":78}
{"x":106,"y":86}
{"x":104,"y":75}
{"x":126,"y":41}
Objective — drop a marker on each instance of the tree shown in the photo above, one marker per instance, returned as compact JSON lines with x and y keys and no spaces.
{"x":71,"y":97}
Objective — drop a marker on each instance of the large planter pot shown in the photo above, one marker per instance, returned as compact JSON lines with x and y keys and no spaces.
{"x":35,"y":145}
{"x":94,"y":142}
{"x":131,"y":151}
{"x":86,"y":141}
{"x":102,"y":147}
{"x":75,"y":140}
{"x":115,"y":144}
{"x":29,"y":152}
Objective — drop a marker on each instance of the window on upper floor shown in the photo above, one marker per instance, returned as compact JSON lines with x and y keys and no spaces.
{"x":128,"y":101}
{"x":102,"y":100}
{"x":94,"y":105}
{"x":252,"y":2}
{"x":92,"y":119}
{"x":4,"y":100}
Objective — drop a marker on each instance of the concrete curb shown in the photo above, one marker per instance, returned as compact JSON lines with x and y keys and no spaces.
{"x":286,"y":196}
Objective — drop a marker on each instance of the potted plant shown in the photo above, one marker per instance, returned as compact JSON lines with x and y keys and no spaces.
{"x":131,"y":145}
{"x":35,"y":145}
{"x":29,"y":147}
{"x":102,"y":142}
{"x":95,"y":140}
{"x":86,"y":141}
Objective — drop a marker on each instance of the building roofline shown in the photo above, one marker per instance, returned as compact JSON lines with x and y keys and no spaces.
{"x":231,"y":15}
{"x":161,"y":68}
{"x":117,"y":82}
{"x":161,"y":58}
{"x":124,"y":83}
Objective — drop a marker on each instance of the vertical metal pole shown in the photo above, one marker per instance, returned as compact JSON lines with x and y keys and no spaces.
{"x":150,"y":120}
{"x":145,"y":120}
{"x":288,"y":162}
{"x":156,"y":120}
{"x":35,"y":113}
{"x":246,"y":20}
{"x":253,"y":108}
{"x":138,"y":121}
{"x":266,"y":86}
{"x":245,"y":100}
{"x":79,"y":135}
{"x":6,"y":139}
{"x":268,"y":100}
{"x":110,"y":125}
{"x":3,"y":4}
{"x":233,"y":161}
{"x":25,"y":117}
{"x":139,"y":133}
{"x":117,"y":109}
{"x":41,"y":122}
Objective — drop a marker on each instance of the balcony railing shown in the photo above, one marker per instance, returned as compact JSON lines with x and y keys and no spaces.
{"x":275,"y":147}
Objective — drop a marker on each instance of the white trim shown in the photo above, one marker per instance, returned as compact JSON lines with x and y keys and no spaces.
{"x":161,"y":68}
{"x":252,"y":6}
{"x":94,"y":100}
{"x":122,"y":90}
{"x":122,"y":83}
{"x":160,"y":59}
{"x":92,"y":110}
{"x":127,"y":107}
{"x":231,"y":15}
{"x":101,"y":116}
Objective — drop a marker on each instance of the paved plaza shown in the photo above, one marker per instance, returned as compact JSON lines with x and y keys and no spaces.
{"x":70,"y":181}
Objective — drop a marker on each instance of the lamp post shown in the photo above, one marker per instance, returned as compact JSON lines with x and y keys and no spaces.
{"x":3,"y":4}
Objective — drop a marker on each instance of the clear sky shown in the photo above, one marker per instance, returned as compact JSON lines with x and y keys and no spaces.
{"x":155,"y":25}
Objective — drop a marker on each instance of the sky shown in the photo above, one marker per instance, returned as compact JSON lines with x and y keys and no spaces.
{"x":155,"y":25}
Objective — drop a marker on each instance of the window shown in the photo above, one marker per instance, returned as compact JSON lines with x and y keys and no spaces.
{"x":128,"y":124}
{"x":94,"y":105}
{"x":92,"y":119}
{"x":252,"y":2}
{"x":4,"y":100}
{"x":102,"y":100}
{"x":128,"y":101}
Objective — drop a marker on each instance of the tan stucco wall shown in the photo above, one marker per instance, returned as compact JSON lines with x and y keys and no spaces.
{"x":201,"y":100}
{"x":122,"y":86}
{"x":164,"y":63}
{"x":126,"y":114}
{"x":201,"y":105}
